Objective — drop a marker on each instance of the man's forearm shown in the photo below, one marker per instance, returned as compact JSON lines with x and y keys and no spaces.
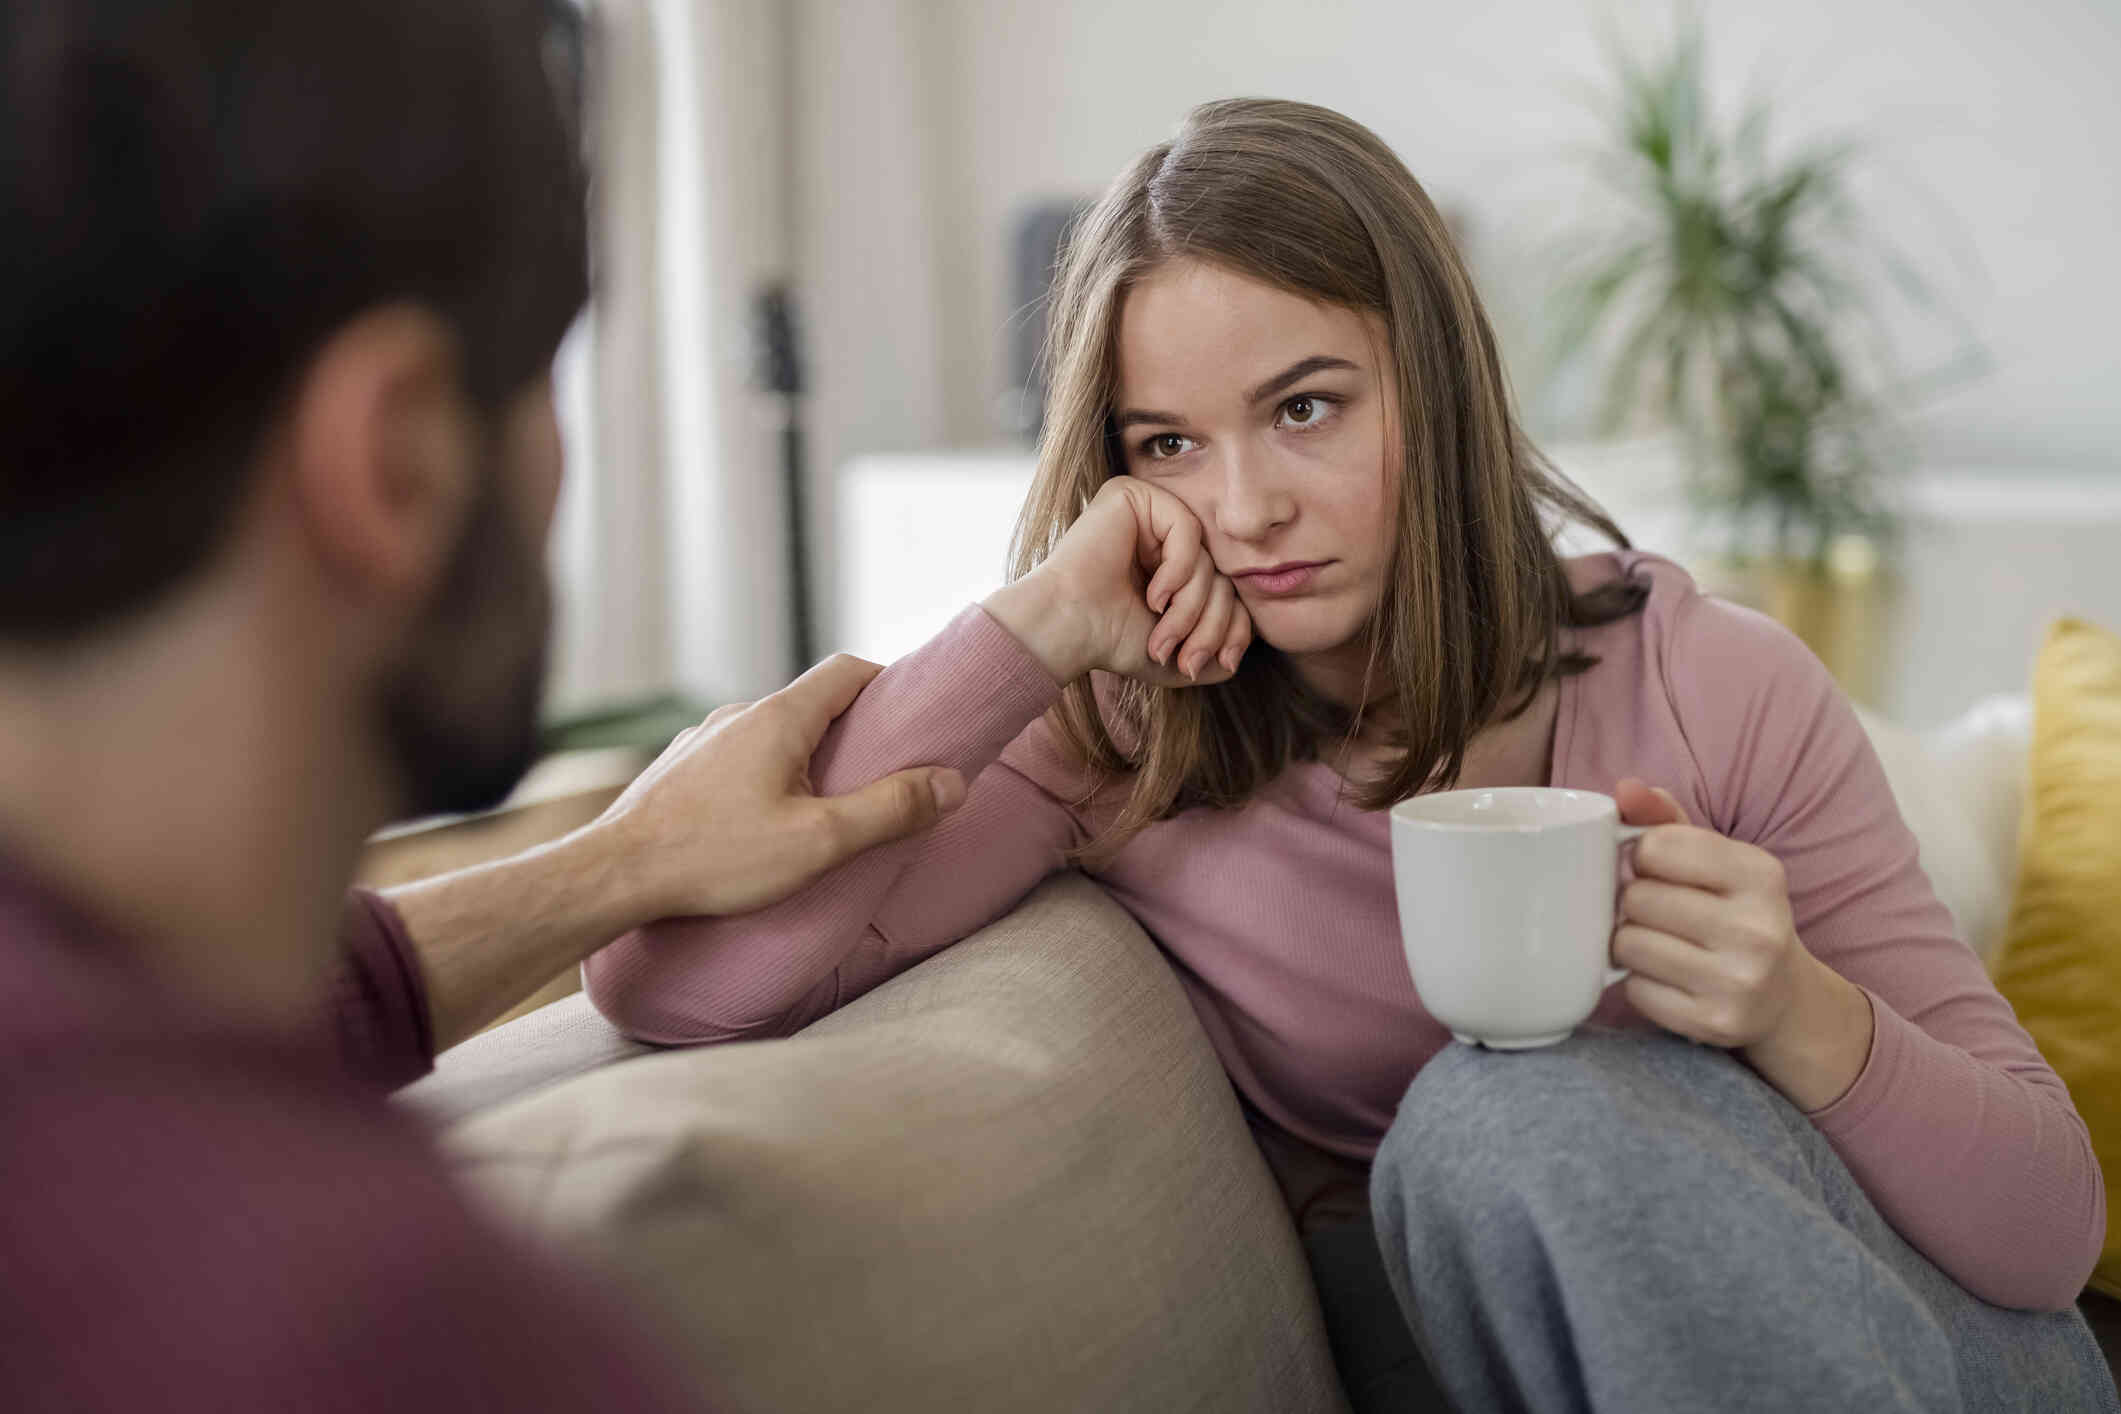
{"x":490,"y":935}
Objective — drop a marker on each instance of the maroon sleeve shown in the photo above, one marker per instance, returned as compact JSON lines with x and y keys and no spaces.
{"x":379,"y":1000}
{"x":223,"y":1229}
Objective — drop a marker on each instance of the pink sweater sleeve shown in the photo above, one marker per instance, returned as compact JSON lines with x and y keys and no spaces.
{"x":1956,"y":1127}
{"x":959,"y":701}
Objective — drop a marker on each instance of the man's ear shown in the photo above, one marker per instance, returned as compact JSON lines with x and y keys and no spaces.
{"x":381,"y":439}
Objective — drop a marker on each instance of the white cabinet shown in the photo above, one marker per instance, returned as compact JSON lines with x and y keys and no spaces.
{"x":920,"y":537}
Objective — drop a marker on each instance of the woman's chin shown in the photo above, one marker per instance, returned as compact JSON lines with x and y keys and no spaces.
{"x":1290,"y":630}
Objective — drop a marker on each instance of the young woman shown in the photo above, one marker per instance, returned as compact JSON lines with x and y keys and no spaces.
{"x":1288,"y":560}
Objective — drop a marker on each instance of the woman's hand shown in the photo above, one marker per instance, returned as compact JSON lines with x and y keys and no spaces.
{"x":1707,"y":930}
{"x":1130,"y":589}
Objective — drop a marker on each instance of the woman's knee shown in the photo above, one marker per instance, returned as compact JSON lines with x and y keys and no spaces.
{"x":1478,"y":1123}
{"x":1472,"y":1125}
{"x":1613,"y":1118}
{"x":1501,"y":1097}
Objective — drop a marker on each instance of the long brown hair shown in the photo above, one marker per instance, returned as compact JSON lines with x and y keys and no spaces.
{"x":1307,"y":200}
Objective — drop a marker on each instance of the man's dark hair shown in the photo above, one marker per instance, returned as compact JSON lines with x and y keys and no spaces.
{"x":194,"y":195}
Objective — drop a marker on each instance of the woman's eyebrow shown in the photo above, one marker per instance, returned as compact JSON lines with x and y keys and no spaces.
{"x":1134,"y":417}
{"x":1301,"y":369}
{"x":1295,"y":372}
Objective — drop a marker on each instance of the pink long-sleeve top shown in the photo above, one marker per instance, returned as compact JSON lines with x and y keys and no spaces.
{"x":1281,"y":922}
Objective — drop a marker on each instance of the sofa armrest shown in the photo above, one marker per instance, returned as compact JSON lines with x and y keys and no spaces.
{"x":555,"y":1043}
{"x":1014,"y":1177}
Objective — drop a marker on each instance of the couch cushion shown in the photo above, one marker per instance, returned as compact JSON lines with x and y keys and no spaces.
{"x":2061,"y":967}
{"x":1958,"y":789}
{"x":1982,"y":753}
{"x":1013,"y":1178}
{"x":556,"y":1042}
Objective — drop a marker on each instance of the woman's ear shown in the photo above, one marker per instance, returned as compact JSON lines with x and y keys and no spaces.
{"x":382,"y":441}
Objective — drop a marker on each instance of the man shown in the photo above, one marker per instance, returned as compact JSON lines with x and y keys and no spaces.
{"x":281,"y":289}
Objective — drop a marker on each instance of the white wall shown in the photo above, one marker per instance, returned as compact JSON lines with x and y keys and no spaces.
{"x":2004,"y":116}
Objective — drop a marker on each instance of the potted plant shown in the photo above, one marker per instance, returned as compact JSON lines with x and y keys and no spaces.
{"x":1735,"y":296}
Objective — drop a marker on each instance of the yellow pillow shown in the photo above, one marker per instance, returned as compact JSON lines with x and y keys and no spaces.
{"x":2061,"y":965}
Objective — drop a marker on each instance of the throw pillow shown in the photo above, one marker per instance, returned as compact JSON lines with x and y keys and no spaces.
{"x":2061,"y":966}
{"x":1971,"y":879}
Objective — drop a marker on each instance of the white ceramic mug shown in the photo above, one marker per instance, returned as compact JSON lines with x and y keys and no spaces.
{"x":1506,"y":908}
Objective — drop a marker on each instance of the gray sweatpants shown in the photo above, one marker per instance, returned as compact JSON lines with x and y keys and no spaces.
{"x":1630,"y":1222}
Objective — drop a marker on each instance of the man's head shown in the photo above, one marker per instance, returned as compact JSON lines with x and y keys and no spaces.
{"x":312,"y":256}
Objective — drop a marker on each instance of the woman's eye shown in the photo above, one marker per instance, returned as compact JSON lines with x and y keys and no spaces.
{"x":1305,"y":411}
{"x":1165,"y":445}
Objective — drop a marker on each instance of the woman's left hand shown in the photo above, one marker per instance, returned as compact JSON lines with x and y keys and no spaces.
{"x":1705,"y":927}
{"x":1707,"y":931}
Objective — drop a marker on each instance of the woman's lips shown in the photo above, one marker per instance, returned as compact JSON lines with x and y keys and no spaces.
{"x":1277,"y":580}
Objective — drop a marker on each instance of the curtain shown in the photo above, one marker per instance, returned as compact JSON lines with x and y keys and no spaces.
{"x":668,"y":547}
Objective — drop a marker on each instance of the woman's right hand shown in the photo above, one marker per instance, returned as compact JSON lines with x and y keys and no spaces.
{"x":1130,"y":589}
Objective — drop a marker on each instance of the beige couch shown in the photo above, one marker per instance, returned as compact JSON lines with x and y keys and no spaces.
{"x":1013,"y":1178}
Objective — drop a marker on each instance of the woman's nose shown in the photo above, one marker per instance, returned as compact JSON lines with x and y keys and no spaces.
{"x":1251,"y":503}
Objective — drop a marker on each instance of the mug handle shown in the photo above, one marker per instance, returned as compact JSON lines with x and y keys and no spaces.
{"x":1623,"y":836}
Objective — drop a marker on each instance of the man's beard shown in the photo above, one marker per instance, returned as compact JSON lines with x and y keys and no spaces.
{"x":461,"y":717}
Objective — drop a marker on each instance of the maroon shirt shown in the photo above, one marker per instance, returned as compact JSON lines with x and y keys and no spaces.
{"x":196,"y":1217}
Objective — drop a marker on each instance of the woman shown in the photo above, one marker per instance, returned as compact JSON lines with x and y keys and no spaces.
{"x":1287,"y":561}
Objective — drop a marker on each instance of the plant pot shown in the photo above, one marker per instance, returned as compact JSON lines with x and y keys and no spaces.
{"x":1842,"y":608}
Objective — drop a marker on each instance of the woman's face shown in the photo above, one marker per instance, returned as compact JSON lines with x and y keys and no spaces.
{"x":1270,"y":416}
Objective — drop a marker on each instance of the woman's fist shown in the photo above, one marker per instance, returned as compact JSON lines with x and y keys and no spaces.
{"x":1130,"y":589}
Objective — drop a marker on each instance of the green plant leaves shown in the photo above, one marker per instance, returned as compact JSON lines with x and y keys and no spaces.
{"x":1734,"y":301}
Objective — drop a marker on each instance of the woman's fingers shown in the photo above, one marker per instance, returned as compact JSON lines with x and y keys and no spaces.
{"x":1704,"y":859}
{"x":1183,"y":613}
{"x":1675,"y":962}
{"x":1206,"y":640}
{"x":1240,"y":638}
{"x":1178,"y":554}
{"x":1200,"y":623}
{"x":1678,"y":909}
{"x":1673,"y":1008}
{"x":1644,"y":804}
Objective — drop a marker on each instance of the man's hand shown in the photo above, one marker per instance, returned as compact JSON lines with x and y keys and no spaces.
{"x":725,"y":821}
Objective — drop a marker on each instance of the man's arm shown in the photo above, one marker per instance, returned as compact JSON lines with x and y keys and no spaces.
{"x":724,"y":822}
{"x":486,"y":937}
